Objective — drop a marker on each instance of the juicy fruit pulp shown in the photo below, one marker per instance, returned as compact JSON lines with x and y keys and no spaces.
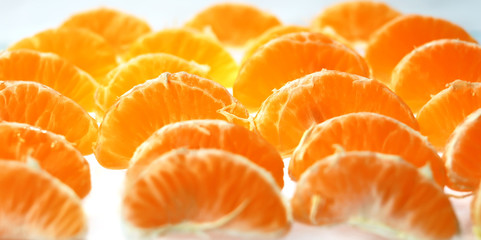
{"x":206,"y":190}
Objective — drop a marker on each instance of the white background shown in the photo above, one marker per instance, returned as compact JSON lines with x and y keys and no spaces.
{"x":23,"y":18}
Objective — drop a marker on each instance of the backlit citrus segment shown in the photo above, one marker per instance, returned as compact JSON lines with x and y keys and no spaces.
{"x":233,"y":23}
{"x":269,"y":35}
{"x":119,"y":29}
{"x":355,"y":21}
{"x":462,"y":154}
{"x":34,"y":205}
{"x":155,"y":103}
{"x":205,"y":191}
{"x":87,"y":50}
{"x":426,"y":70}
{"x":140,"y":69}
{"x":43,"y":107}
{"x":50,"y":70}
{"x":54,"y":154}
{"x":366,"y":132}
{"x":304,"y":102}
{"x":192,"y":46}
{"x":380,"y":192}
{"x":403,"y":34}
{"x":290,"y":57}
{"x":197,"y":134}
{"x":447,"y":109}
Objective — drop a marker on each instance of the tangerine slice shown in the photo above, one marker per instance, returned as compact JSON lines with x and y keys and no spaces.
{"x":291,"y":110}
{"x":380,"y":192}
{"x":34,"y":205}
{"x":50,"y":70}
{"x":269,"y":35}
{"x":366,"y":131}
{"x":398,"y":37}
{"x":462,"y":154}
{"x":218,"y":134}
{"x":290,"y":57}
{"x":85,"y":49}
{"x":140,"y":69}
{"x":427,"y":69}
{"x":233,"y":23}
{"x":43,"y":107}
{"x":192,"y":46}
{"x":54,"y":154}
{"x":447,"y":109}
{"x":354,"y":21}
{"x":206,"y":191}
{"x":155,"y":103}
{"x":119,"y":29}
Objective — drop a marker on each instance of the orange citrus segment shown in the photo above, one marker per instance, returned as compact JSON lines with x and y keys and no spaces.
{"x":291,"y":110}
{"x":462,"y":154}
{"x":355,"y":21}
{"x":34,"y":205}
{"x":140,"y":69}
{"x":50,"y":70}
{"x":378,"y":191}
{"x":43,"y":107}
{"x":290,"y":57}
{"x":54,"y":154}
{"x":366,"y":131}
{"x":192,"y":46}
{"x":85,"y":49}
{"x":155,"y":103}
{"x":197,"y":134}
{"x":233,"y":23}
{"x":118,"y":28}
{"x":398,"y":37}
{"x":269,"y":35}
{"x":447,"y":109}
{"x":205,"y":191}
{"x":426,"y":70}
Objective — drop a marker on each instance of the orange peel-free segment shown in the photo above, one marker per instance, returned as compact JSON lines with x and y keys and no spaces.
{"x":403,"y":34}
{"x":51,"y":70}
{"x":34,"y":205}
{"x":43,"y":107}
{"x":207,"y":191}
{"x":119,"y":29}
{"x":291,"y":110}
{"x":87,"y":50}
{"x":366,"y":131}
{"x":376,"y":191}
{"x":447,"y":109}
{"x":155,"y":103}
{"x":462,"y":154}
{"x":140,"y":69}
{"x":269,"y":35}
{"x":355,"y":21}
{"x":190,"y":45}
{"x":219,"y":134}
{"x":290,"y":57}
{"x":233,"y":23}
{"x":53,"y":153}
{"x":426,"y":70}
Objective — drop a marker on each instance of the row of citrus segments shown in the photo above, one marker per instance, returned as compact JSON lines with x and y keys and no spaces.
{"x":273,"y":63}
{"x":158,"y":180}
{"x":230,"y":109}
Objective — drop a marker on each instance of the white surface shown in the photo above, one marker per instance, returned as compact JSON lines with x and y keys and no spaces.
{"x":22,"y":18}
